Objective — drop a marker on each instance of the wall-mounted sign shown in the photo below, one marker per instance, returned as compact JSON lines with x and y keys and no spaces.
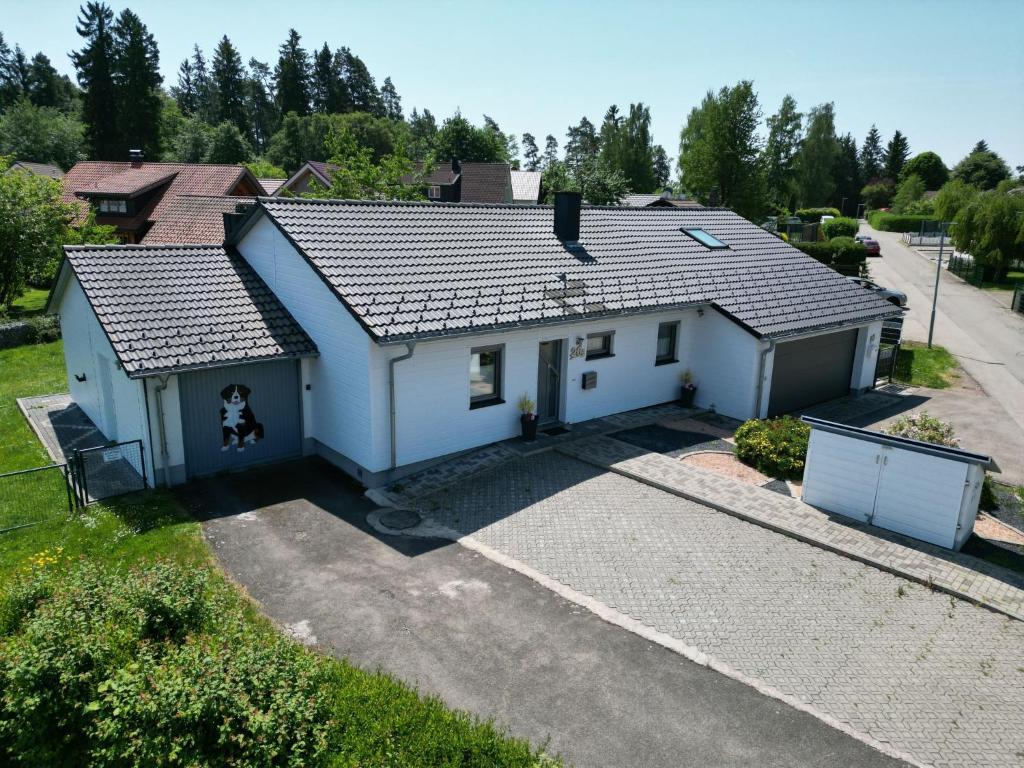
{"x":579,"y":349}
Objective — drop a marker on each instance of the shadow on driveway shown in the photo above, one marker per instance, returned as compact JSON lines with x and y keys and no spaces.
{"x":487,"y":639}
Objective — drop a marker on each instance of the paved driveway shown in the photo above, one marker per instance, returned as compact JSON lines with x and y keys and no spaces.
{"x":984,"y":335}
{"x":937,"y":678}
{"x":491,"y":641}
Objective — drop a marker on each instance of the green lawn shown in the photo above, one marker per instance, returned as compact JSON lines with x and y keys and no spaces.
{"x":922,"y":367}
{"x":367,"y":719}
{"x":30,"y":303}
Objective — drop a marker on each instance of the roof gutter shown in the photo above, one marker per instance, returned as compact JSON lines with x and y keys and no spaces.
{"x":770,"y":348}
{"x":410,"y":347}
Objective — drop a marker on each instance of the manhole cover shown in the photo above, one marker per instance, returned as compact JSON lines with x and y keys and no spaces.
{"x":400,"y":519}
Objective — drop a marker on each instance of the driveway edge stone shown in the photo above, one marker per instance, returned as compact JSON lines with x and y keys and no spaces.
{"x":432,"y":530}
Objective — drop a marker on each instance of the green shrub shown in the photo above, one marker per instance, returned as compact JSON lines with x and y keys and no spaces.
{"x":878,"y":195}
{"x":42,"y":329}
{"x":843,"y":254}
{"x":891,"y":222}
{"x":811,"y":215}
{"x":840,"y":227}
{"x":103,"y":667}
{"x":921,"y":426}
{"x":775,"y":447}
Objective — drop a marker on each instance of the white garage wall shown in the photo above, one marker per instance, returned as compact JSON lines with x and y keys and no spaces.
{"x":866,"y":357}
{"x":172,"y":430}
{"x":725,"y":360}
{"x":432,"y":387}
{"x":339,"y":413}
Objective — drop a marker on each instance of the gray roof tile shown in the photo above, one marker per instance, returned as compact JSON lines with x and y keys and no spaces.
{"x":409,"y":270}
{"x":171,"y":308}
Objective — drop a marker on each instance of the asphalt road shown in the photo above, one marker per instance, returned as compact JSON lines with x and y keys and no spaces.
{"x":976,"y":326}
{"x":487,"y":639}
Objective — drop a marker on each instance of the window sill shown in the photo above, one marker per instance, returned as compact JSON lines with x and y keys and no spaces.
{"x":474,"y":404}
{"x":665,"y":362}
{"x":600,"y":357}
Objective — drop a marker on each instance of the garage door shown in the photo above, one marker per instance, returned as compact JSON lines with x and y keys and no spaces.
{"x":810,"y":371}
{"x":238,"y":416}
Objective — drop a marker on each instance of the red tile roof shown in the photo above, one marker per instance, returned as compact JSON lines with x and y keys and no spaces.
{"x":130,"y":182}
{"x":91,"y":177}
{"x":193,"y":220}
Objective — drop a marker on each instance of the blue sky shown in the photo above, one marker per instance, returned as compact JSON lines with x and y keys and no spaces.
{"x":945,"y":73}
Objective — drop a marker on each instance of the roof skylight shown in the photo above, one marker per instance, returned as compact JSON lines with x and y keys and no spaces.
{"x":704,"y":238}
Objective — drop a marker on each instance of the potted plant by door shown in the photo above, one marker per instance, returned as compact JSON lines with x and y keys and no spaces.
{"x":688,"y":390}
{"x":527,"y":417}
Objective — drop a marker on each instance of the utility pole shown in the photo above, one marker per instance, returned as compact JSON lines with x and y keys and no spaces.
{"x":938,"y":276}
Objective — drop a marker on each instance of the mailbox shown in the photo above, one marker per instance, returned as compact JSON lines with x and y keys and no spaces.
{"x":590,"y":380}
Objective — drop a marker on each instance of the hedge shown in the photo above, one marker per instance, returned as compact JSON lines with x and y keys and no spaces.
{"x":844,"y":254}
{"x":893,"y":222}
{"x":775,"y":447}
{"x":811,"y":215}
{"x":840,"y":227}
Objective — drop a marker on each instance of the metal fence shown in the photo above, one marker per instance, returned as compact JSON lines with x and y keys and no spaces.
{"x":888,"y":349}
{"x":964,"y":267}
{"x":33,"y":496}
{"x":1017,"y":302}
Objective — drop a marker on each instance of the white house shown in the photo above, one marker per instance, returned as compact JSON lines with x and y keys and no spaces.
{"x":382,"y":335}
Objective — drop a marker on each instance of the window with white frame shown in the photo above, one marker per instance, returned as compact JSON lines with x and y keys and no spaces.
{"x":485,"y":364}
{"x":668,"y":338}
{"x":599,"y":345}
{"x":434,"y":192}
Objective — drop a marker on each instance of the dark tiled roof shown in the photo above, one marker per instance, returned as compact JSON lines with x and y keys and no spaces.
{"x":172,"y":308}
{"x":39,"y":169}
{"x":409,"y":270}
{"x":189,"y":179}
{"x":657,"y":201}
{"x":486,"y":183}
{"x":193,"y":219}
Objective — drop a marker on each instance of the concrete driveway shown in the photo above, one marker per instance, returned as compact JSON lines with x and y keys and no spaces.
{"x":487,"y":639}
{"x":978,"y":328}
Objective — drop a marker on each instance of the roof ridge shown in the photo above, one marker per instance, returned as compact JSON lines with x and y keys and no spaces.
{"x":403,"y":203}
{"x":140,"y":246}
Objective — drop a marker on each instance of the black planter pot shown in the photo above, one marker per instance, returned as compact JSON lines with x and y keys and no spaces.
{"x":686,"y":395}
{"x":528,"y":421}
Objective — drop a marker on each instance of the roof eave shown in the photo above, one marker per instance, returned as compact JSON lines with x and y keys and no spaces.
{"x":169,"y":370}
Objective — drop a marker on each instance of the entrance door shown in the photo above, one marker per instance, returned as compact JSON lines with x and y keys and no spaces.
{"x":549,"y":381}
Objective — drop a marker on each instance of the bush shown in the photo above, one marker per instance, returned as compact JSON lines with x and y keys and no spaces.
{"x":775,"y":447}
{"x":878,"y":195}
{"x":101,"y":667}
{"x":840,"y":227}
{"x":891,"y":222}
{"x":843,"y":254}
{"x":811,"y":215}
{"x":928,"y":429}
{"x":43,"y":329}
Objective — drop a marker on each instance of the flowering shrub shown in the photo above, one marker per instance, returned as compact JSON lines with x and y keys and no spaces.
{"x":928,"y":429}
{"x":775,"y":447}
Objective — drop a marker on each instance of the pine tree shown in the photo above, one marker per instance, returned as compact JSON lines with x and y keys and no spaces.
{"x":206,"y":92}
{"x":362,"y":89}
{"x":94,"y":64}
{"x":531,"y":154}
{"x":423,"y":131}
{"x":292,"y":76}
{"x":227,"y":77}
{"x":896,"y":153}
{"x":137,"y":81}
{"x":47,"y":88}
{"x":550,"y":151}
{"x":981,"y":146}
{"x":871,"y":156}
{"x":185,"y":92}
{"x":581,"y":144}
{"x":391,"y":100}
{"x":662,"y":170}
{"x":780,"y":152}
{"x":321,"y":84}
{"x":9,"y":90}
{"x":259,"y":105}
{"x":846,"y":174}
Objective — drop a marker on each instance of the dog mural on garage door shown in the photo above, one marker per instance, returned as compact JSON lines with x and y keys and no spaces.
{"x":238,"y":422}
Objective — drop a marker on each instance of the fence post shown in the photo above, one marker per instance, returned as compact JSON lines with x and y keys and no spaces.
{"x":142,"y":463}
{"x":65,"y":472}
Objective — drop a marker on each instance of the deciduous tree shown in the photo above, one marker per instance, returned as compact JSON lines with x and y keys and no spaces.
{"x":929,"y":167}
{"x":228,"y":145}
{"x":780,"y":153}
{"x":817,"y":157}
{"x":41,"y":134}
{"x":983,"y":169}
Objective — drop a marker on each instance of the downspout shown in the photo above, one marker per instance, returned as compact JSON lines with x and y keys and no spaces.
{"x":410,"y":347}
{"x":165,"y":458}
{"x":760,"y":377}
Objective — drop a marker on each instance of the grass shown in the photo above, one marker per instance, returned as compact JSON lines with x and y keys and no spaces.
{"x":1012,"y":278}
{"x":29,"y":303}
{"x":920,"y":366}
{"x":375,"y":719}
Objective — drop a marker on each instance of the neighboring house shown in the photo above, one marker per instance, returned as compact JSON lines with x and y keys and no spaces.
{"x":431,"y":320}
{"x":312,"y":172}
{"x":270,"y":186}
{"x":132,"y":196}
{"x":37,"y":169}
{"x":485,"y":183}
{"x":195,"y":220}
{"x":526,"y":187}
{"x":664,"y":200}
{"x":441,"y":185}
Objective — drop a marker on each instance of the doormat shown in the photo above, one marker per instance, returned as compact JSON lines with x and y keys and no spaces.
{"x":555,"y":431}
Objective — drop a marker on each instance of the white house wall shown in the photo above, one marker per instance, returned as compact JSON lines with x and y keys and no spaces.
{"x":866,"y":357}
{"x":725,"y":362}
{"x":339,"y":410}
{"x":173,"y":435}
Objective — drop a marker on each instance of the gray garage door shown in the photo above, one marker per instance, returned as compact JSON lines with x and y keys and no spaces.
{"x":242,"y":415}
{"x":810,"y":371}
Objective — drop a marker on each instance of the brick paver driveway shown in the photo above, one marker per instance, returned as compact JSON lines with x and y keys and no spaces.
{"x":937,"y":678}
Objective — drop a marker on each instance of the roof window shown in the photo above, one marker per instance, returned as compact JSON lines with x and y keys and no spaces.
{"x":705,"y":239}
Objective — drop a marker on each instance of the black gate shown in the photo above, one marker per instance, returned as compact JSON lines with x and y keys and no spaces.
{"x":888,"y":349}
{"x":107,"y":471}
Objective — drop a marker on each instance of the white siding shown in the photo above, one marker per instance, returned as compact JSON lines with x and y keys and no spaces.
{"x":866,"y":357}
{"x":172,"y":427}
{"x":724,"y":361}
{"x":340,"y":411}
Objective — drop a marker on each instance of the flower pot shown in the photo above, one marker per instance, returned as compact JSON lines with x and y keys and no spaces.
{"x":528,"y":421}
{"x":686,"y":395}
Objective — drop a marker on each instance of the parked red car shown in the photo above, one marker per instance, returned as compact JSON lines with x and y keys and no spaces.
{"x":873,"y":247}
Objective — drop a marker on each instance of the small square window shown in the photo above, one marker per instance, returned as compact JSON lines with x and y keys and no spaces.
{"x":434,"y":192}
{"x":599,"y":345}
{"x":485,"y":365}
{"x":668,"y":333}
{"x":704,"y":238}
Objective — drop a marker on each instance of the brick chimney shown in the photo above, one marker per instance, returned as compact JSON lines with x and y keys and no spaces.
{"x":567,"y":216}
